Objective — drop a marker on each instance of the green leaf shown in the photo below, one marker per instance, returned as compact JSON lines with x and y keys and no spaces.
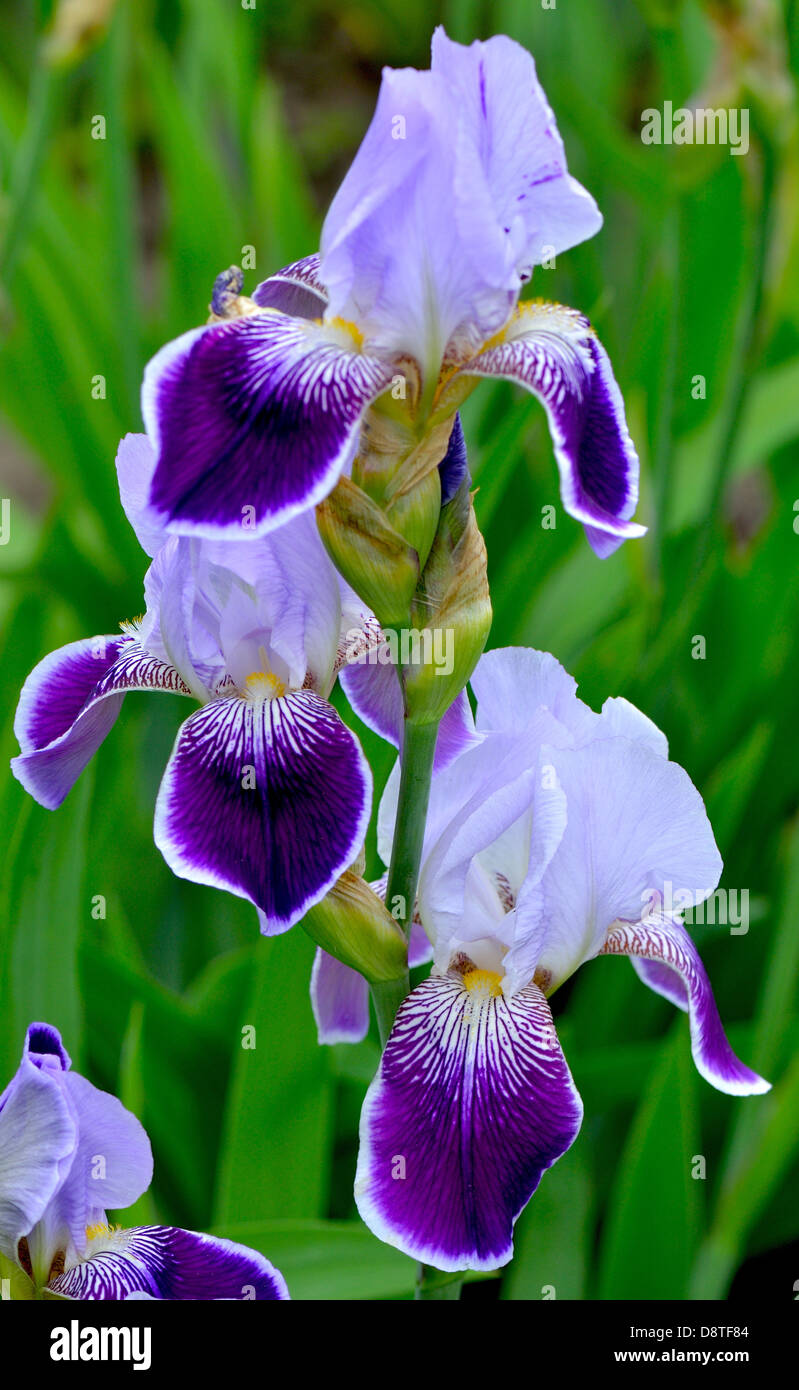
{"x":552,"y":1239}
{"x":45,"y":910}
{"x":655,"y":1210}
{"x":276,"y":1145}
{"x":327,"y":1260}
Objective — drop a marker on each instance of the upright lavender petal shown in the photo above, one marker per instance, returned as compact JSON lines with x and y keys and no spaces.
{"x":553,"y":352}
{"x":635,"y":822}
{"x":667,"y":944}
{"x":135,"y":468}
{"x":69,"y":703}
{"x":38,"y":1136}
{"x":253,"y":420}
{"x":165,"y":1262}
{"x":472,"y":1103}
{"x":268,"y":798}
{"x":460,"y":185}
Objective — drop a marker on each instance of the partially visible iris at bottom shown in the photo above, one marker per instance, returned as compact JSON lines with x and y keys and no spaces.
{"x":68,"y":1153}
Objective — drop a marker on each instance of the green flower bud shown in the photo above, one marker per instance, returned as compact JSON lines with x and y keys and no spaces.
{"x":355,"y":926}
{"x":452,"y":603}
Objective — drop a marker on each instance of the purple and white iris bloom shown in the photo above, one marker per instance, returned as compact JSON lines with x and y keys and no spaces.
{"x":267,"y":793}
{"x":459,"y":189}
{"x":555,"y":837}
{"x":69,"y":1152}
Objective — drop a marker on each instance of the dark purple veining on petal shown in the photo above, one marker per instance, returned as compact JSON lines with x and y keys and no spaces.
{"x":67,"y":686}
{"x":472,"y":1103}
{"x":268,"y":798}
{"x":261,"y":412}
{"x":69,"y":703}
{"x":168,"y":1263}
{"x":560,"y":360}
{"x":668,"y":943}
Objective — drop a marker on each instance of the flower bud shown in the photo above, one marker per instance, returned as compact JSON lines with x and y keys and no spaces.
{"x":353,"y":925}
{"x":452,"y":600}
{"x":375,"y":560}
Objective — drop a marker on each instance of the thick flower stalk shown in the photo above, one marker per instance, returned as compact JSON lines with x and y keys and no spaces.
{"x":556,"y":835}
{"x":69,"y":1152}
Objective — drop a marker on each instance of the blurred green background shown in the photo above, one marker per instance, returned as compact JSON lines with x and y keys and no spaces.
{"x":229,"y":128}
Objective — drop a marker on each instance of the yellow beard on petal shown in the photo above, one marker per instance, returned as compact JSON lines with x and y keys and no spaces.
{"x":264,"y":685}
{"x":485,"y":983}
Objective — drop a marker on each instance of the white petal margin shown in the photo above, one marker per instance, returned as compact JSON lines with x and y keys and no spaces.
{"x":668,"y":944}
{"x":472,"y":1103}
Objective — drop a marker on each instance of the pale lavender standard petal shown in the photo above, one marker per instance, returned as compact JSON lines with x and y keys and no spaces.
{"x":667,"y":945}
{"x":69,"y":703}
{"x":504,"y":114}
{"x":635,"y":823}
{"x":135,"y":468}
{"x":98,"y":1149}
{"x":472,"y":1103}
{"x":165,"y":1262}
{"x":295,"y":290}
{"x":113,"y":1162}
{"x":38,"y":1137}
{"x":339,"y":999}
{"x":253,"y":420}
{"x":460,"y":185}
{"x":554,"y":353}
{"x":267,"y":798}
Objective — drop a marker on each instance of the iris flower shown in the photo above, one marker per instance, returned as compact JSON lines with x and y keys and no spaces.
{"x":556,"y":835}
{"x":67,"y":1153}
{"x":459,"y":189}
{"x":266,"y":793}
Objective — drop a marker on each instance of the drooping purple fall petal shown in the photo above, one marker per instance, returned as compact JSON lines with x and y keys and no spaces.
{"x":472,"y":1103}
{"x":253,"y":420}
{"x":69,"y":703}
{"x":268,"y":798}
{"x":554,"y":353}
{"x":667,"y":945}
{"x":165,"y":1262}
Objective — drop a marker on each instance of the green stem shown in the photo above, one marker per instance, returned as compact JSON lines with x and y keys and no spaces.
{"x":418,"y":748}
{"x":435,"y":1284}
